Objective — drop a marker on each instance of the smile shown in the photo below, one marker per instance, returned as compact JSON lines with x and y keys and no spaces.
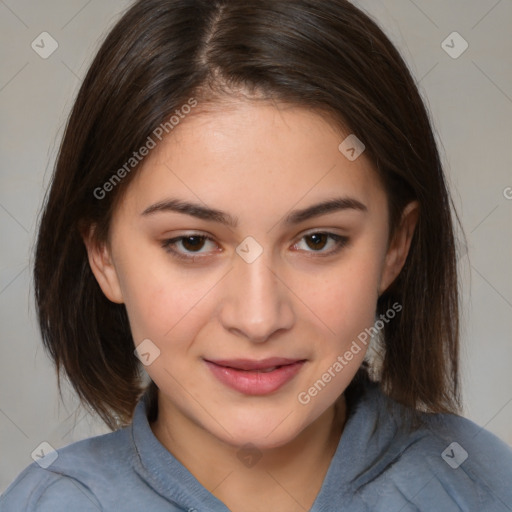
{"x":255,"y":377}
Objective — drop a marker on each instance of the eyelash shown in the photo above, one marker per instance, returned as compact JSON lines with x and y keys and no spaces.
{"x":340,"y":243}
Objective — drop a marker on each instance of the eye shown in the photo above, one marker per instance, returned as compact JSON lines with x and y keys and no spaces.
{"x":318,"y":240}
{"x":192,"y":245}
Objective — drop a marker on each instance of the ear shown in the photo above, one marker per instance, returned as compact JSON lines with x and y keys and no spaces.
{"x":100,"y":261}
{"x":399,"y":246}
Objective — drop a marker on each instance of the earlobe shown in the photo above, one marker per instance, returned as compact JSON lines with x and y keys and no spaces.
{"x":399,"y":246}
{"x":100,"y":261}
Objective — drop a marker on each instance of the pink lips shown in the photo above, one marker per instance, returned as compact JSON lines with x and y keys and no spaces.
{"x":255,"y":377}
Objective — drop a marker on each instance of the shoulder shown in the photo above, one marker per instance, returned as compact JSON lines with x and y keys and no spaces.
{"x":449,"y":463}
{"x":467,"y":464}
{"x":69,"y":475}
{"x":37,"y":489}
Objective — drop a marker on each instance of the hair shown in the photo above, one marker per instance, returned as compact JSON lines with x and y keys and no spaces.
{"x":327,"y":56}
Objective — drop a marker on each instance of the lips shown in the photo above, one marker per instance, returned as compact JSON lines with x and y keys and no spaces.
{"x":248,"y":364}
{"x":252,"y":377}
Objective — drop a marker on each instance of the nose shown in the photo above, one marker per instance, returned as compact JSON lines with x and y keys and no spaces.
{"x":256,"y":302}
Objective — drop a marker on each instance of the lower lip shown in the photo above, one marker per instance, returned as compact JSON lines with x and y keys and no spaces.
{"x":253,"y":382}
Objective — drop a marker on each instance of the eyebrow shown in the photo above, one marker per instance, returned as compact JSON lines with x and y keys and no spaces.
{"x":213,"y":215}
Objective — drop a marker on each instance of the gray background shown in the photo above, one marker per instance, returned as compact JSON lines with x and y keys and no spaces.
{"x":470,"y":100}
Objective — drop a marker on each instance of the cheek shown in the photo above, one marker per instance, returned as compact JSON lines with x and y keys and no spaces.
{"x":159,"y":299}
{"x":345,"y":307}
{"x":346,"y":299}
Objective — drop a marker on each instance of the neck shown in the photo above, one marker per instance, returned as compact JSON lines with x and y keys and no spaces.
{"x":290,"y":475}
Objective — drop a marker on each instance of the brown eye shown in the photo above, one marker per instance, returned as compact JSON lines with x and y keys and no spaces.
{"x":193,"y":243}
{"x":188,"y":247}
{"x":318,"y":240}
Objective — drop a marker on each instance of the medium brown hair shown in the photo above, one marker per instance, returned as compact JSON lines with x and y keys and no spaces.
{"x":328,"y":56}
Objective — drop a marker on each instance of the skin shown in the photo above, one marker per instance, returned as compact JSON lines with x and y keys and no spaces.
{"x":258,"y":162}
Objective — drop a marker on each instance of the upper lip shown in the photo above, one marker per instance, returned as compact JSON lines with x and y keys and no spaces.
{"x":250,"y":364}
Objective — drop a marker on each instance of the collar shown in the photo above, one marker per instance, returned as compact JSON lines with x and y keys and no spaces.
{"x":360,"y":440}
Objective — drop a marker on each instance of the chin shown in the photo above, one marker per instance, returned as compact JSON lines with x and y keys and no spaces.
{"x":262,"y":433}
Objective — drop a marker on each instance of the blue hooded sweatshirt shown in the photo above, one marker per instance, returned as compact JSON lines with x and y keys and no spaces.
{"x":449,"y":464}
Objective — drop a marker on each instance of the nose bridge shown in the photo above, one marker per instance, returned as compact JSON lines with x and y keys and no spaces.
{"x":257,"y":303}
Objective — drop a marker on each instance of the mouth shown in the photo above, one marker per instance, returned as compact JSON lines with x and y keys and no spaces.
{"x":253,"y":377}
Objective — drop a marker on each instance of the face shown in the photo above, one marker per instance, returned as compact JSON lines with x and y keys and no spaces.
{"x":252,"y":277}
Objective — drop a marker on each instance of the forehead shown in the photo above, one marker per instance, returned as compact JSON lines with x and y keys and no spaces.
{"x":251,"y":156}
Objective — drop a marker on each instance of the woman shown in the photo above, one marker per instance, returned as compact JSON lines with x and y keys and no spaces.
{"x":249,"y":208}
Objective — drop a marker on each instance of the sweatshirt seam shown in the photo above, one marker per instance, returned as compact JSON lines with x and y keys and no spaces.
{"x":59,"y":477}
